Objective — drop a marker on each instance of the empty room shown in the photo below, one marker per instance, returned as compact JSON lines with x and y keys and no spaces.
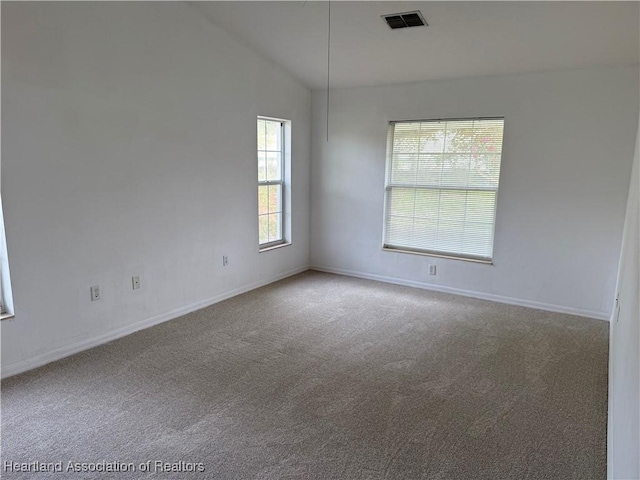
{"x":320,"y":240}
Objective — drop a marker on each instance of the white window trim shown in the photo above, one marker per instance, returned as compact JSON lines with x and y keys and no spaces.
{"x":6,"y":299}
{"x":432,"y":253}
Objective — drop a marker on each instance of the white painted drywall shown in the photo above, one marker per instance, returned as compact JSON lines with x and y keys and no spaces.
{"x":624,"y":346}
{"x":568,"y":145}
{"x":129,"y":137}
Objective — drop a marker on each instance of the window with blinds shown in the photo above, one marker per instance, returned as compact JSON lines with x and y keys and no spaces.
{"x":442,"y":187}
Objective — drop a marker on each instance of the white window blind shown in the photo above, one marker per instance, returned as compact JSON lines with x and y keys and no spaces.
{"x":442,"y":186}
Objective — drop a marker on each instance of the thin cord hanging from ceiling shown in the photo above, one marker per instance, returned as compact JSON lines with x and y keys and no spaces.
{"x":328,"y":63}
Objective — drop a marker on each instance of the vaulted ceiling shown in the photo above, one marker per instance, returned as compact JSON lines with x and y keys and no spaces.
{"x":463,"y":39}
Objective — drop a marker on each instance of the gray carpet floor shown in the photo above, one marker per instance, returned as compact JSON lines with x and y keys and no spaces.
{"x":322,"y":376}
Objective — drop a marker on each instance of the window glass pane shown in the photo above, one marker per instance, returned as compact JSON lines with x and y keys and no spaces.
{"x":399,"y":231}
{"x":429,"y":171}
{"x":262,"y":135}
{"x":455,"y":170}
{"x":432,"y":137}
{"x":263,"y":199}
{"x":425,"y":233}
{"x":481,"y":207}
{"x":404,"y":169}
{"x":452,"y":205}
{"x":460,"y":137}
{"x":450,"y":236}
{"x":427,"y":203}
{"x":402,"y":201}
{"x":274,"y":130}
{"x":488,"y":136}
{"x":275,"y":232}
{"x":275,"y":199}
{"x":274,"y":166}
{"x":477,"y":238}
{"x":406,"y":138}
{"x":263,"y":227}
{"x":262,"y":166}
{"x":484,"y":171}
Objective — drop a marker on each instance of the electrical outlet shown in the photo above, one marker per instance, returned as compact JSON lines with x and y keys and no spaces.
{"x":95,"y":293}
{"x":432,"y":269}
{"x":225,"y":260}
{"x":135,"y":282}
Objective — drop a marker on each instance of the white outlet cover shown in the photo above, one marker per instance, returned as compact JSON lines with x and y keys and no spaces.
{"x":95,"y":293}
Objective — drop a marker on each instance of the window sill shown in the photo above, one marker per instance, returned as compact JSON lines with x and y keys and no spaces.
{"x":439,"y":255}
{"x":274,"y":247}
{"x":6,"y":316}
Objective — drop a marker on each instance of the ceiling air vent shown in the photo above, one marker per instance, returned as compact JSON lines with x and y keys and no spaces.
{"x":404,"y":20}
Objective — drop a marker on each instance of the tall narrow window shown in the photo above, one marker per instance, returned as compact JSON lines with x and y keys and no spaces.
{"x":6,"y":301}
{"x":442,"y":187}
{"x":272,"y":182}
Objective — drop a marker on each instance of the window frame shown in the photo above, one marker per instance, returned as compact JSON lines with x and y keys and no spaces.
{"x":284,"y":185}
{"x":3,"y":309}
{"x":388,"y":187}
{"x":6,"y":298}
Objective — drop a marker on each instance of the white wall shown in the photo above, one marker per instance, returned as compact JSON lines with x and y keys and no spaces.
{"x":569,"y":139}
{"x":129,"y":137}
{"x":624,"y":348}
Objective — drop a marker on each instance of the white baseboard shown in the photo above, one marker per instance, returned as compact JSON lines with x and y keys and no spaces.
{"x":467,"y":293}
{"x":68,"y":350}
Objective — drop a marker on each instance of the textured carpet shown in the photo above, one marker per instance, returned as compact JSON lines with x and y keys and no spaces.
{"x":326,"y":377}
